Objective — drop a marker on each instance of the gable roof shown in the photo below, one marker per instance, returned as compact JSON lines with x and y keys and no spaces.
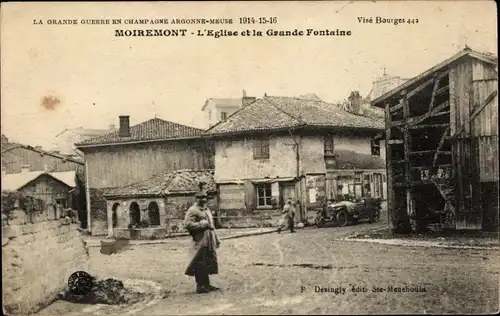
{"x":155,"y":129}
{"x":86,"y":132}
{"x":309,"y":96}
{"x":10,"y":146}
{"x":467,"y":52}
{"x":229,"y":102}
{"x":275,"y":113}
{"x":15,"y":181}
{"x":175,"y":182}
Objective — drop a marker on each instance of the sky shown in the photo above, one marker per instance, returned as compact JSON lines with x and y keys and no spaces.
{"x":55,"y":77}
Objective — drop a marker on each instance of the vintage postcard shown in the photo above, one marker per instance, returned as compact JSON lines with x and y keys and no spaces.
{"x":249,"y":157}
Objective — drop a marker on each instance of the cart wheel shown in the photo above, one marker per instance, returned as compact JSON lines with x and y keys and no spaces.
{"x":80,"y":283}
{"x":342,"y":218}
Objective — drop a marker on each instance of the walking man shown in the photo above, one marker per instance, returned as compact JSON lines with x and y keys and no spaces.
{"x":203,"y":256}
{"x":289,"y":210}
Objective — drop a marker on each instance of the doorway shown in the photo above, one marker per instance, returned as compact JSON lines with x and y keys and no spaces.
{"x":114,"y":215}
{"x":154,"y":214}
{"x":287,"y":190}
{"x":135,"y":213}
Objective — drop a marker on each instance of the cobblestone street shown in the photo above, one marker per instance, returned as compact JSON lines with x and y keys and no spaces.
{"x":277,"y":274}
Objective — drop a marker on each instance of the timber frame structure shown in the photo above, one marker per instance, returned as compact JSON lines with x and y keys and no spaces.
{"x":442,"y":145}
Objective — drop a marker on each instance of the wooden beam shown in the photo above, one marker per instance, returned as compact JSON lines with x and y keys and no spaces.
{"x":388,"y":164}
{"x":476,"y":112}
{"x":395,"y":142}
{"x":433,"y":96}
{"x":432,"y":151}
{"x":440,"y":113}
{"x":416,"y":120}
{"x":398,"y":161}
{"x":426,"y":83}
{"x":407,"y":163}
{"x":396,"y":108}
{"x":430,"y":126}
{"x":442,"y":89}
{"x":429,"y":167}
{"x":441,"y":142}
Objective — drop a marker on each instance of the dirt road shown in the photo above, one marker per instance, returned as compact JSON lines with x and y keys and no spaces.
{"x":281,"y":274}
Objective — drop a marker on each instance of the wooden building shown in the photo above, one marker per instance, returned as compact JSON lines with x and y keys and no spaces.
{"x":442,"y":145}
{"x":54,"y":191}
{"x":137,"y":153}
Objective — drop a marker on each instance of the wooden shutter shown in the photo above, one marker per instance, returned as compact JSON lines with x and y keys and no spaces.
{"x":250,"y":198}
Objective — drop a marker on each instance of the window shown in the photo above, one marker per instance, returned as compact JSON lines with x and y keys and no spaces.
{"x":209,"y":115}
{"x":358,"y":176}
{"x":264,"y":197}
{"x":223,"y":116}
{"x":261,"y":148}
{"x":329,"y":146}
{"x":375,"y":146}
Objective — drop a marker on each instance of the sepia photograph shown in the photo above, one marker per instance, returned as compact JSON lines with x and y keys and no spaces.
{"x":249,"y":158}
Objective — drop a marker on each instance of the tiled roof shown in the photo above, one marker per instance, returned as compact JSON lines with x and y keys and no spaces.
{"x":175,"y":182}
{"x":271,"y":113}
{"x":154,"y":129}
{"x":15,"y":181}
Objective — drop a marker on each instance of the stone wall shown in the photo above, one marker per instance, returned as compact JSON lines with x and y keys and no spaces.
{"x":37,"y":260}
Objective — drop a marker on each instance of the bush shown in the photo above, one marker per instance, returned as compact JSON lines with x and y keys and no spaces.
{"x":12,"y":200}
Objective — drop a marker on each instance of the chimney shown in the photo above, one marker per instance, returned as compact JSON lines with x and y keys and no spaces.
{"x":112,"y":127}
{"x":25,"y":168}
{"x":247,"y":100}
{"x":355,"y":101}
{"x":124,"y":126}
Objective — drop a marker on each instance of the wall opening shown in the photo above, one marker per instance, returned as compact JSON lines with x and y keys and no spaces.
{"x":135,"y":213}
{"x":114,"y":216}
{"x":154,"y":214}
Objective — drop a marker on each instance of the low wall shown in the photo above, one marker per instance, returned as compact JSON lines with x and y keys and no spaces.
{"x":243,"y":219}
{"x":148,"y":233}
{"x":38,"y":256}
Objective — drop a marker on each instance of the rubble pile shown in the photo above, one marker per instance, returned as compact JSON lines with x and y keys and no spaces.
{"x":108,"y":291}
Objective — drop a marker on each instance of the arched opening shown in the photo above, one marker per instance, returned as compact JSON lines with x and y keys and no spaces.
{"x":154,"y":214}
{"x":114,"y":216}
{"x":135,"y":213}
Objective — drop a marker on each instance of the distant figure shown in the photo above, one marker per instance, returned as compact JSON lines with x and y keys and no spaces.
{"x":283,"y":220}
{"x":289,"y":211}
